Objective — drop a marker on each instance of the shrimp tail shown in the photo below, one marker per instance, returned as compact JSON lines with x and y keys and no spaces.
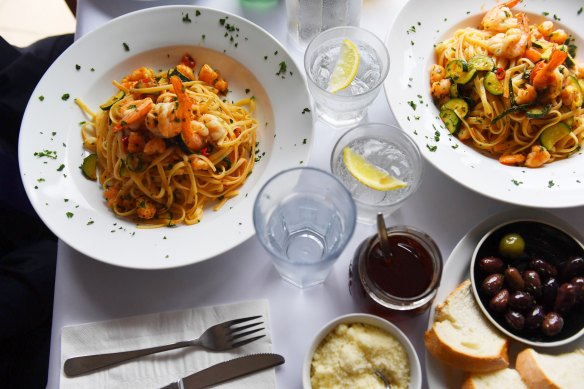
{"x":184,"y":103}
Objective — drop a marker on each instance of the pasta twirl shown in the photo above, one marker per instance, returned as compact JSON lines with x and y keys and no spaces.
{"x":168,"y":144}
{"x":511,"y":89}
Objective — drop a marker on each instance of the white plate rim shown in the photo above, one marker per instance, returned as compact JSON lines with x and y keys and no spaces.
{"x":420,"y":25}
{"x":54,"y":194}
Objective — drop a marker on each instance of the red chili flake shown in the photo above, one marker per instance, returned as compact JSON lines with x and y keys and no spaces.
{"x":500,"y":73}
{"x":205,"y":151}
{"x":188,"y":60}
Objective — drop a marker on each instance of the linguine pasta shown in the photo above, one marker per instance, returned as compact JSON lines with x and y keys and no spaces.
{"x":511,"y":89}
{"x":168,"y":143}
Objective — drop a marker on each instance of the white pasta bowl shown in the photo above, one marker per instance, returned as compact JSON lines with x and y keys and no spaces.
{"x":376,"y":321}
{"x":417,"y":29}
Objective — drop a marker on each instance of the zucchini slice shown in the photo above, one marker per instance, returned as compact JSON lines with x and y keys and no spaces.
{"x":112,"y":100}
{"x":89,"y":167}
{"x":492,"y":84}
{"x":179,"y":74}
{"x":450,"y":120}
{"x":551,"y":135}
{"x":454,"y":90}
{"x":459,"y":72}
{"x":459,"y":106}
{"x":538,"y":111}
{"x":481,"y":62}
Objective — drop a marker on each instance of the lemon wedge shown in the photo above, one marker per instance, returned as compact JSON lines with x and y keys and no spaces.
{"x":368,"y":174}
{"x":346,"y":67}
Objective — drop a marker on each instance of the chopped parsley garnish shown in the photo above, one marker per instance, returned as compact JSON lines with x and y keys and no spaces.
{"x":197,"y":13}
{"x":65,"y":96}
{"x":77,"y":67}
{"x":304,"y":141}
{"x":69,"y":215}
{"x":282,"y":69}
{"x":222,"y":21}
{"x":126,"y":47}
{"x":90,"y":222}
{"x":516,"y":182}
{"x":412,"y":104}
{"x":545,"y":13}
{"x":551,"y":183}
{"x":580,"y":10}
{"x":432,"y":148}
{"x":41,"y":98}
{"x":61,"y":167}
{"x":246,"y":91}
{"x":46,"y":153}
{"x":305,"y":110}
{"x":186,"y":18}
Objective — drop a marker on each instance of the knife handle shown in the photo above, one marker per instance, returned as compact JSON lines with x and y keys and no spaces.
{"x":81,"y":365}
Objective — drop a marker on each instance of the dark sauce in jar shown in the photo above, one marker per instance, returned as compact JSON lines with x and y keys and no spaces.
{"x":399,"y":286}
{"x":407,"y":273}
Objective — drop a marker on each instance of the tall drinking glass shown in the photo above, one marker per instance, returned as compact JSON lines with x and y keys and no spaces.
{"x":304,"y":218}
{"x":307,"y":18}
{"x":348,"y":106}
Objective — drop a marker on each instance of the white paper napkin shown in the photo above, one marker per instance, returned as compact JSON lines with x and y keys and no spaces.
{"x":155,"y":371}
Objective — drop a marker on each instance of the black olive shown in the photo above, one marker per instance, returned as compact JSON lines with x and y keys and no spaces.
{"x":573,"y":267}
{"x":534,"y":318}
{"x":578,"y":282}
{"x":513,"y":279}
{"x":543,"y":268}
{"x":492,"y":284}
{"x":549,"y":291}
{"x":532,"y":283}
{"x":552,"y":324}
{"x":566,"y":298}
{"x":499,"y":301}
{"x":520,"y":301}
{"x":515,"y":320}
{"x":490,"y":265}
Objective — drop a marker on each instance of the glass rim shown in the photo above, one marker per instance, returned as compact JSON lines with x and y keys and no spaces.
{"x":383,"y":55}
{"x":402,"y":135}
{"x":405,"y":303}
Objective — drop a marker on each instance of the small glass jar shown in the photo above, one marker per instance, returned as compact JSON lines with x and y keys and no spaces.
{"x":399,"y":285}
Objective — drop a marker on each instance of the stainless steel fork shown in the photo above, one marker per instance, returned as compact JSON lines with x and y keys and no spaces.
{"x":220,"y":337}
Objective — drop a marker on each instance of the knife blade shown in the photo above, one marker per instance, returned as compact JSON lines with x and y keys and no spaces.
{"x":225,"y":371}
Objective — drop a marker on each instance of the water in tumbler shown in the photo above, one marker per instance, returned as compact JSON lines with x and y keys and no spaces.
{"x":305,"y":228}
{"x":326,"y":58}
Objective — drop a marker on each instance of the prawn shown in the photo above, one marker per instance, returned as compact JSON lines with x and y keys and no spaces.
{"x":500,"y":18}
{"x":512,"y":159}
{"x":132,"y":113}
{"x":145,"y":208}
{"x":437,"y":73}
{"x":514,"y":42}
{"x":207,"y":127}
{"x":545,"y":77}
{"x":537,"y":157}
{"x":155,"y":146}
{"x":525,"y":95}
{"x":211,"y":77}
{"x":163,"y":120}
{"x":440,"y":88}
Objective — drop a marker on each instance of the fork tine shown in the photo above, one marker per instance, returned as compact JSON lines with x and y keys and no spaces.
{"x":240,"y":328}
{"x":242,"y":334}
{"x":243,"y":319}
{"x":246,"y":341}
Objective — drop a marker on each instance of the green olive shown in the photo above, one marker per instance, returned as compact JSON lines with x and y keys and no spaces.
{"x":512,"y":245}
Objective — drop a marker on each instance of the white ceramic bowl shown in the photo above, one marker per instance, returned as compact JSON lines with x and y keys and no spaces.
{"x":414,"y":362}
{"x":555,"y":239}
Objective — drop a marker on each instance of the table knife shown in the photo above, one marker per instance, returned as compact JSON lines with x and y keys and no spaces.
{"x":227,"y":370}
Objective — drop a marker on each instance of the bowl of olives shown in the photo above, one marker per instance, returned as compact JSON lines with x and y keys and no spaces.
{"x":528,"y":279}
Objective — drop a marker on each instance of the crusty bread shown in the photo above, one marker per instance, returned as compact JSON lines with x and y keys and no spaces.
{"x":499,"y":379}
{"x":463,"y":338}
{"x":546,"y":371}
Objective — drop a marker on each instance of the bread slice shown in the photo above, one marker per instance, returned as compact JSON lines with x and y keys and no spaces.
{"x":504,"y":378}
{"x":546,"y":371}
{"x":463,"y":338}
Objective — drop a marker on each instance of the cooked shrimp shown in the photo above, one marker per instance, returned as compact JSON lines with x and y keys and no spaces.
{"x":216,"y":129}
{"x":500,"y":18}
{"x":133,"y":113}
{"x":440,"y":88}
{"x":211,"y":77}
{"x":136,"y":142}
{"x":514,"y":42}
{"x":163,"y":121}
{"x":139,"y":74}
{"x":194,"y":137}
{"x":111,"y":194}
{"x":145,"y":208}
{"x":537,"y":157}
{"x":570,"y":95}
{"x":546,"y":78}
{"x":512,"y":159}
{"x":545,"y":28}
{"x":525,"y":95}
{"x":559,"y":36}
{"x":155,"y":146}
{"x":437,"y":73}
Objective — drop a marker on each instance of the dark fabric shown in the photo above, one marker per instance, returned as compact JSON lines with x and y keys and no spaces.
{"x":28,"y":250}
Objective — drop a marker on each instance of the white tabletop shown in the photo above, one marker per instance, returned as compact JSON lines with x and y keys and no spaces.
{"x":87,"y":290}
